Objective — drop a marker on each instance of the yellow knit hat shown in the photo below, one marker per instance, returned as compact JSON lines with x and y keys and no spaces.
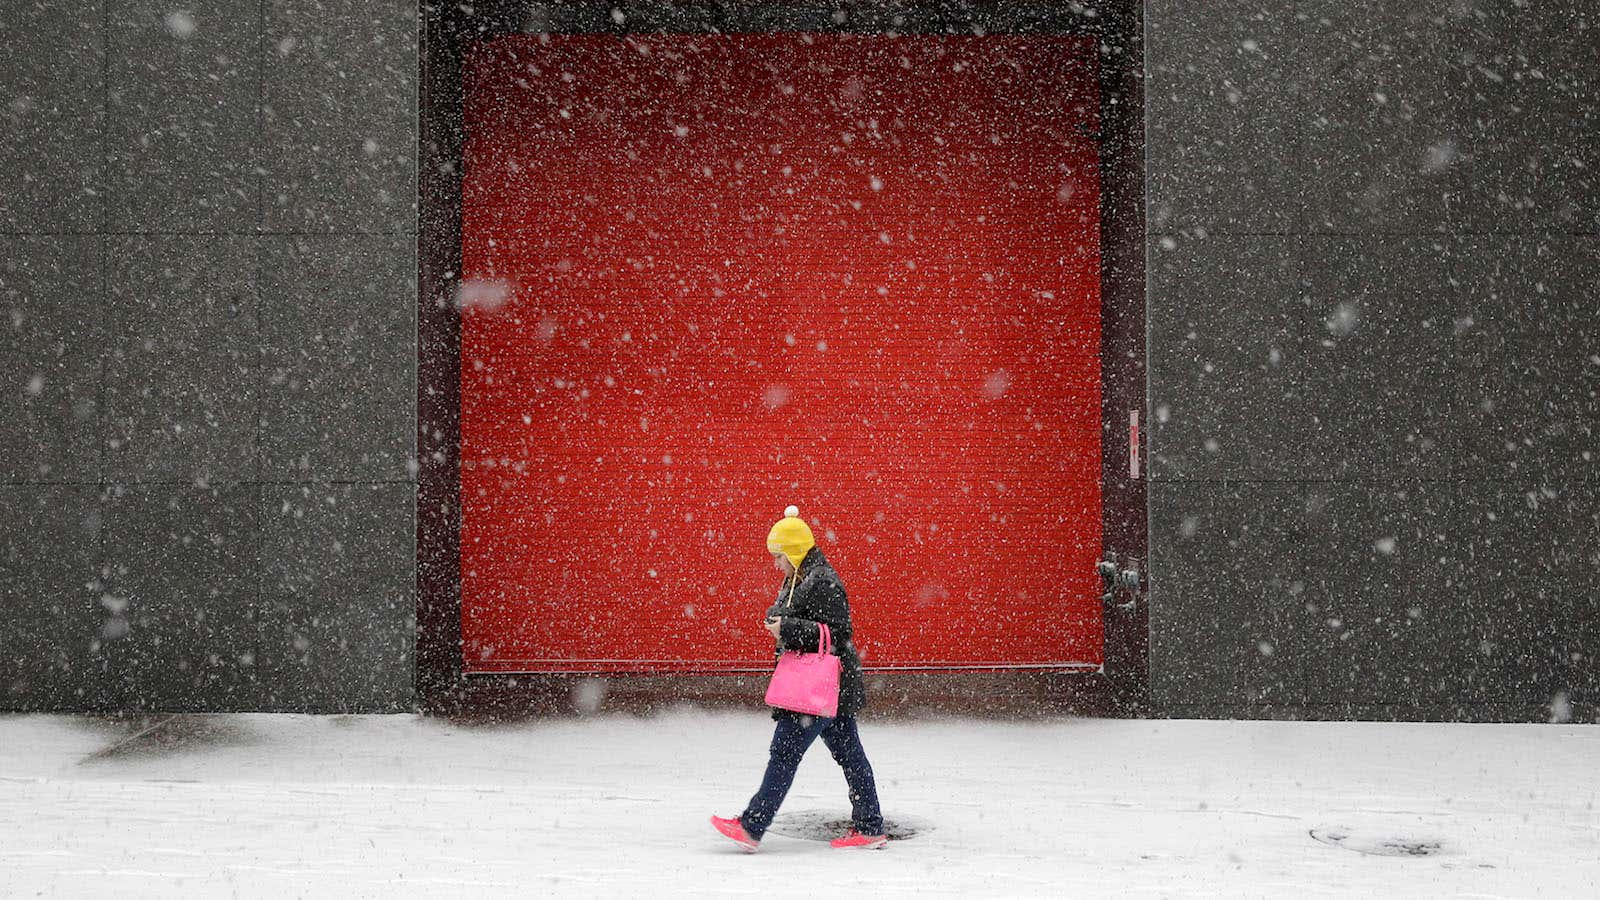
{"x":791,"y":537}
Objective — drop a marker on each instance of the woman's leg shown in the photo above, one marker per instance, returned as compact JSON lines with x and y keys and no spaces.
{"x":844,"y":742}
{"x":789,"y":742}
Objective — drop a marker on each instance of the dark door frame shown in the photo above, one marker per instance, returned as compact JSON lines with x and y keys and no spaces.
{"x":448,"y":29}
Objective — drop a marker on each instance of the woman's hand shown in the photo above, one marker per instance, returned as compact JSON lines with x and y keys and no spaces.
{"x":774,"y":625}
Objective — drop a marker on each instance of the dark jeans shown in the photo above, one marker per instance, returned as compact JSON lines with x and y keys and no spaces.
{"x":790,"y":740}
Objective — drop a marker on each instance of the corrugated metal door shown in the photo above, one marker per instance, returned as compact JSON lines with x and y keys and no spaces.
{"x":709,"y":276}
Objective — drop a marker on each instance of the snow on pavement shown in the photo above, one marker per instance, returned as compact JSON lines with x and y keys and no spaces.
{"x":406,"y":806}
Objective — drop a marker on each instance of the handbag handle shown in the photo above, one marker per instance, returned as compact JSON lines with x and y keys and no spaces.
{"x":825,"y":641}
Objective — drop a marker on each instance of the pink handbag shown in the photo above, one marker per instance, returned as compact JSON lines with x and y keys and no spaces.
{"x":807,"y":682}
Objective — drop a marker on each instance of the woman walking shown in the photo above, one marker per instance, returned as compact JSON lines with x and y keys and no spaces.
{"x":811,"y":596}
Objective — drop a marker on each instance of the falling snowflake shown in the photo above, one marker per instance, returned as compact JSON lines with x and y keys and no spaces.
{"x":180,"y":23}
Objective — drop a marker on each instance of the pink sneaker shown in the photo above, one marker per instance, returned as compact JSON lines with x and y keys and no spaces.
{"x":734,"y":831}
{"x":856,"y":840}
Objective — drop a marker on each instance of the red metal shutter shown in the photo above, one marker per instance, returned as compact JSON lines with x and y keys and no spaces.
{"x":709,"y":276}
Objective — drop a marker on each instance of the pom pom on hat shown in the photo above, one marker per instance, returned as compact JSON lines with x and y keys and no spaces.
{"x":791,"y":536}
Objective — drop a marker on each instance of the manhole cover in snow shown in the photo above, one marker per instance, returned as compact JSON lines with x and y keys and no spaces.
{"x":1375,"y":844}
{"x":825,"y":826}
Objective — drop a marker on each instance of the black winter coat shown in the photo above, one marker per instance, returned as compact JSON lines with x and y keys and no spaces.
{"x":819,"y":597}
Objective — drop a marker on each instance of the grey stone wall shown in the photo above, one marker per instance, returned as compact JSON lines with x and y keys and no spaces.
{"x":207,"y":415}
{"x":1374,"y":323}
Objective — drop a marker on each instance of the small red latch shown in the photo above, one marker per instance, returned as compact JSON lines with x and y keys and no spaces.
{"x":1133,"y":445}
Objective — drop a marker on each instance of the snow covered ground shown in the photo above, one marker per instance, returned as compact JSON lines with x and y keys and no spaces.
{"x":401,"y":806}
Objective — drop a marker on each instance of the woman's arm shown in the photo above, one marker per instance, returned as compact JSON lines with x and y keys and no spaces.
{"x":800,"y":634}
{"x":822,"y":603}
